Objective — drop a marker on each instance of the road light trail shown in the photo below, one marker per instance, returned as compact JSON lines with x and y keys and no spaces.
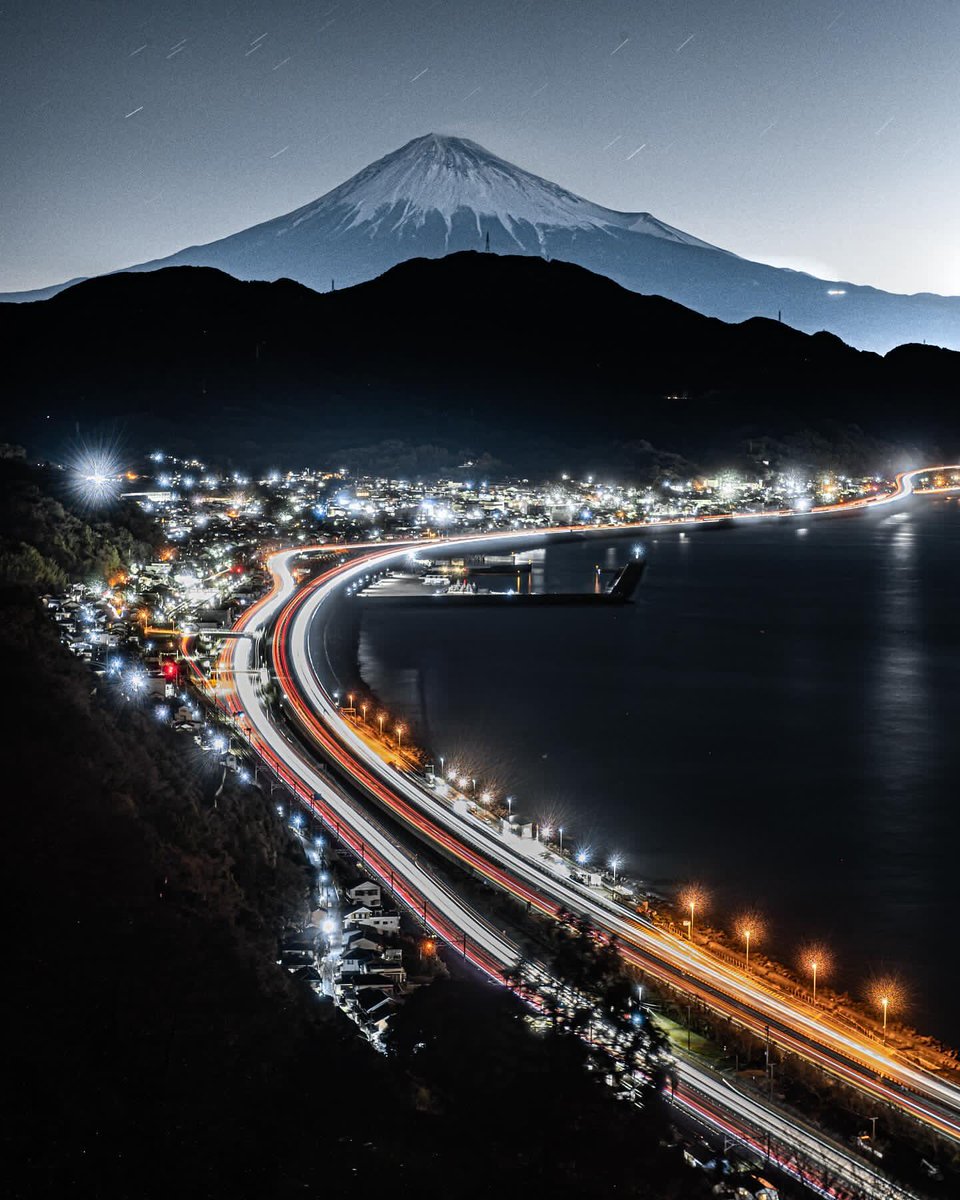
{"x":855,"y":1059}
{"x":679,"y":963}
{"x":741,"y":1117}
{"x":744,"y":1118}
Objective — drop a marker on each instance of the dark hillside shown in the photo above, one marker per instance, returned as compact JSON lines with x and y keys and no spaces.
{"x":153,"y":1048}
{"x":527,"y":360}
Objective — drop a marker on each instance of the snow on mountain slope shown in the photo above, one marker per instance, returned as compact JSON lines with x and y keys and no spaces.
{"x":452,"y":176}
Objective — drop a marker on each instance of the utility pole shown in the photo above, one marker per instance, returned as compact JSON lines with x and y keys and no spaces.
{"x":769,"y":1065}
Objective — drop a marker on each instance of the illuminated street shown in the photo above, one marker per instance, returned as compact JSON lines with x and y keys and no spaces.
{"x":793,"y":1025}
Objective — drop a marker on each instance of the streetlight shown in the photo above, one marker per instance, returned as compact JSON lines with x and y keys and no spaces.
{"x":381,"y":717}
{"x":363,"y":711}
{"x":692,"y":898}
{"x":560,"y":832}
{"x":746,"y":937}
{"x":399,"y":733}
{"x":614,"y":866}
{"x":816,"y":958}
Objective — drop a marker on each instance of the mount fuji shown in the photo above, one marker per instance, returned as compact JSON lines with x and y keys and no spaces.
{"x":437,"y":195}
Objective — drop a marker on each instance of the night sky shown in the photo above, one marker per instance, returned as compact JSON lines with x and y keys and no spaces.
{"x":819,"y":134}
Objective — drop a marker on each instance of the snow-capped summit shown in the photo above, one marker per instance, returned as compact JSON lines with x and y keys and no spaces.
{"x":436,"y":195}
{"x":454,"y":177}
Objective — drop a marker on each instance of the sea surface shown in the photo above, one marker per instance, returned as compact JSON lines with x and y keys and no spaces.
{"x":774,"y":718}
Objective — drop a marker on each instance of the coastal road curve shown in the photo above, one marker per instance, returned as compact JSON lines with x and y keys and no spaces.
{"x":681,"y":964}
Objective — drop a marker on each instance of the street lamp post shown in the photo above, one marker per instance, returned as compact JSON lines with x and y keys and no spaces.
{"x":693,"y":905}
{"x":746,"y":938}
{"x":381,"y":717}
{"x":399,"y":733}
{"x":813,"y":968}
{"x":885,"y":1002}
{"x":560,"y":832}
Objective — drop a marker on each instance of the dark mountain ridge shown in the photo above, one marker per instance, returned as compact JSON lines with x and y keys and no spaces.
{"x":526,"y":359}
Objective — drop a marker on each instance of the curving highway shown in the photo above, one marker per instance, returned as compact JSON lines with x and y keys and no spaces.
{"x":794,"y":1026}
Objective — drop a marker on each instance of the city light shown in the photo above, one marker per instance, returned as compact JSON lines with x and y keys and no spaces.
{"x":94,"y":476}
{"x":815,"y":961}
{"x":749,"y":930}
{"x":693,"y":900}
{"x":887,"y":995}
{"x":615,"y":864}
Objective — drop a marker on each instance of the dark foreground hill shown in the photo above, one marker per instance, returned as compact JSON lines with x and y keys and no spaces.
{"x":535,"y":363}
{"x":152,"y":1046}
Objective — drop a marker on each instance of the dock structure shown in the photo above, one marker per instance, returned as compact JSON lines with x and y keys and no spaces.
{"x":413,"y":593}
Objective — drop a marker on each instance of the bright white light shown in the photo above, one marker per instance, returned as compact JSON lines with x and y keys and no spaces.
{"x":94,"y":476}
{"x":583,"y":856}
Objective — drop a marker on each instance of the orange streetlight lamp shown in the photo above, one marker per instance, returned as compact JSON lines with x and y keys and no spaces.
{"x":363,"y":712}
{"x":381,"y":717}
{"x":399,"y":733}
{"x":885,"y":1005}
{"x":747,"y":932}
{"x":814,"y":964}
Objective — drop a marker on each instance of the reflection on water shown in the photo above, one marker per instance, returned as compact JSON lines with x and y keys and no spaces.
{"x":774,"y":716}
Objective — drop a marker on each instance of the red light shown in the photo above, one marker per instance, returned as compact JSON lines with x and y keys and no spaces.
{"x":171,"y":670}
